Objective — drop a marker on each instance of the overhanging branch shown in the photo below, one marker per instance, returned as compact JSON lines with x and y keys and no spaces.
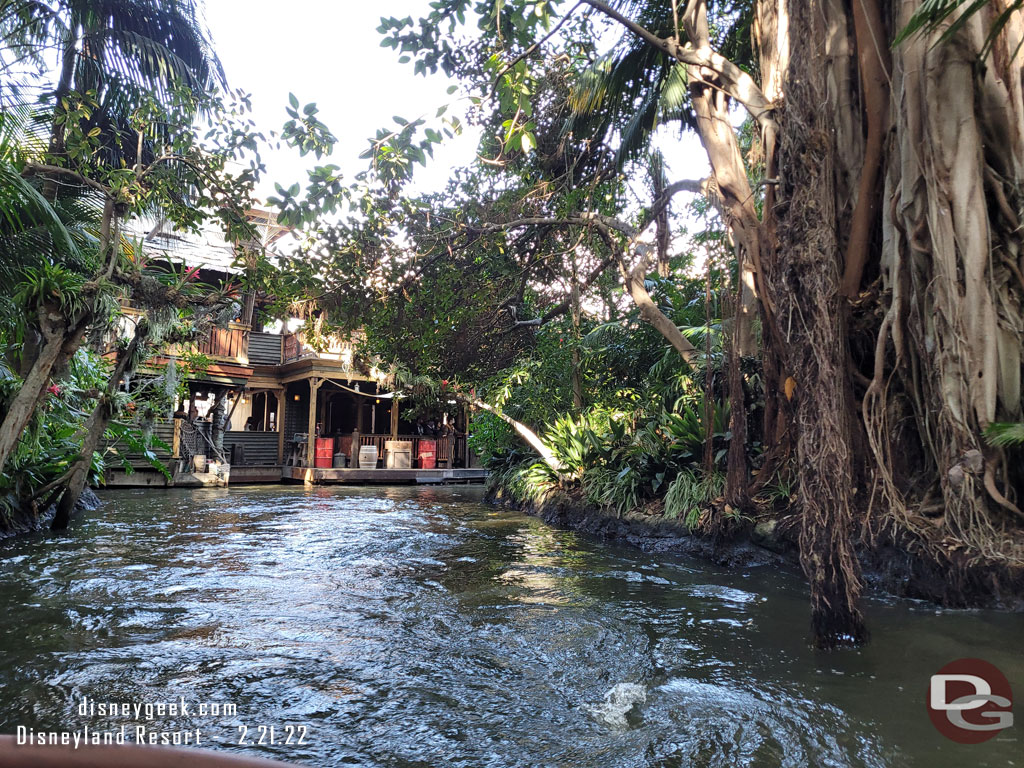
{"x":734,"y":81}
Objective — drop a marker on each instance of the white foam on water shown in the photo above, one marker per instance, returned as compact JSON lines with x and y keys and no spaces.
{"x":617,"y":704}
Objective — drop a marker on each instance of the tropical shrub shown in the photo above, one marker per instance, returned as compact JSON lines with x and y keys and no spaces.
{"x":691,"y":493}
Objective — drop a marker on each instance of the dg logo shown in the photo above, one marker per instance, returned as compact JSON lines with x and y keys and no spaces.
{"x":970,"y":701}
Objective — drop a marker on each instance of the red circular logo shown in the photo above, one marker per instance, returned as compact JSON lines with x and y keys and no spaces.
{"x":970,"y":701}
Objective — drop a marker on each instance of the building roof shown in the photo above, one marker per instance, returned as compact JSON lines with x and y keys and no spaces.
{"x":206,"y":249}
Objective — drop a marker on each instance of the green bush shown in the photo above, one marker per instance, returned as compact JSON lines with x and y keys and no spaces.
{"x":691,"y":493}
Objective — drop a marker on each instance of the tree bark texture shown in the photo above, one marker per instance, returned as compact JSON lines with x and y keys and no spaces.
{"x":95,"y":426}
{"x":805,"y":285}
{"x":23,"y":405}
{"x":951,"y":284}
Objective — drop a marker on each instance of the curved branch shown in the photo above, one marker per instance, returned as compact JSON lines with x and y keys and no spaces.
{"x":589,"y":217}
{"x":649,"y":311}
{"x":524,"y":431}
{"x":735,"y":82}
{"x":56,"y":170}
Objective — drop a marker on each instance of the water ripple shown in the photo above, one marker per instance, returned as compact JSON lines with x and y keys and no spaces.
{"x":414,"y":627}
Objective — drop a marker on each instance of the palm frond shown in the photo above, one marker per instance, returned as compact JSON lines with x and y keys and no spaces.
{"x":933,"y":14}
{"x":1004,"y":435}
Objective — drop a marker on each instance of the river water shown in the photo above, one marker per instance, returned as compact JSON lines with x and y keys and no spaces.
{"x":421,"y":627}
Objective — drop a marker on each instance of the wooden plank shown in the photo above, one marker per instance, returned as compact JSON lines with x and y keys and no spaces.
{"x":260,"y":447}
{"x":329,"y":476}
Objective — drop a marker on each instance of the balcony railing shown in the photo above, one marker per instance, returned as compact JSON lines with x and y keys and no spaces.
{"x":296,"y":348}
{"x":449,"y":452}
{"x":223,"y":345}
{"x":229,"y":344}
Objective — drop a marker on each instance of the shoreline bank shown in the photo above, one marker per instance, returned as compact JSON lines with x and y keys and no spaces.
{"x":886,"y":570}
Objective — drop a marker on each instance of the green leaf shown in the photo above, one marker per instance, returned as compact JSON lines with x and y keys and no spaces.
{"x":1005,"y":434}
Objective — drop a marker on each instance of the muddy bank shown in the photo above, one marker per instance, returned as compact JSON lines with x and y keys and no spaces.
{"x":748,"y":545}
{"x":25,"y":521}
{"x":886,"y":569}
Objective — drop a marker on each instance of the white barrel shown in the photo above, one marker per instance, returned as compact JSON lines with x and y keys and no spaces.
{"x":368,"y":457}
{"x":199,"y":462}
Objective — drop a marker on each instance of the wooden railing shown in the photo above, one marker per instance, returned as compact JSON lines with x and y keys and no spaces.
{"x":226,"y":345}
{"x":296,"y":348}
{"x":229,"y":344}
{"x":448,"y":452}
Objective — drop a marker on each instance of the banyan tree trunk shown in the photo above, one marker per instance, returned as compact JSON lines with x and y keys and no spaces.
{"x":897,"y":267}
{"x":805,"y":279}
{"x":951,"y":267}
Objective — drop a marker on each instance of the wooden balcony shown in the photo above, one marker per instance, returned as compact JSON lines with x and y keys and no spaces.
{"x":340,"y":350}
{"x":226,"y":345}
{"x":223,"y":345}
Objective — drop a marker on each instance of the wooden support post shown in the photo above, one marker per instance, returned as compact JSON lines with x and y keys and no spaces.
{"x":394,"y":418}
{"x":468,"y":458}
{"x":314,"y":385}
{"x":282,"y":403}
{"x":324,"y":418}
{"x":176,"y":440}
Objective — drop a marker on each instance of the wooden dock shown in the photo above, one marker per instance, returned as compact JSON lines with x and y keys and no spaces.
{"x":147,"y":477}
{"x":383,"y":476}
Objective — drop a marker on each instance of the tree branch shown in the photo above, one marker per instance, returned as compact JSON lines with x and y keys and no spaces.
{"x":735,"y":82}
{"x":56,"y":170}
{"x":586,"y":219}
{"x":532,"y":48}
{"x":524,"y":431}
{"x":589,"y":217}
{"x":649,"y":311}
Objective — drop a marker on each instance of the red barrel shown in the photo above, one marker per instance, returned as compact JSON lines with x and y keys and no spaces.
{"x":427,"y":454}
{"x":324,"y":452}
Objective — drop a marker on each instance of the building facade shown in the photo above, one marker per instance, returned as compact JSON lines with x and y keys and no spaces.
{"x":268,"y":405}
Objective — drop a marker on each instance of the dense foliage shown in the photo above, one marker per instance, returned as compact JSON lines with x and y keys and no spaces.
{"x":828,"y":328}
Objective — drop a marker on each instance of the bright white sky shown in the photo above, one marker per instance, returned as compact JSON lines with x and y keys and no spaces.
{"x":328,"y":51}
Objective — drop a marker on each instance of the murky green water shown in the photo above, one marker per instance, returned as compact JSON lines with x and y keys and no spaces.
{"x":419,"y":627}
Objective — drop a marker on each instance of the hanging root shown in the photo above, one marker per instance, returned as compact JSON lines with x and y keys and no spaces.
{"x":951,"y":304}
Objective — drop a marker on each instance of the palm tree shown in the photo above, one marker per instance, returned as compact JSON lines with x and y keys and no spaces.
{"x":123,"y":51}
